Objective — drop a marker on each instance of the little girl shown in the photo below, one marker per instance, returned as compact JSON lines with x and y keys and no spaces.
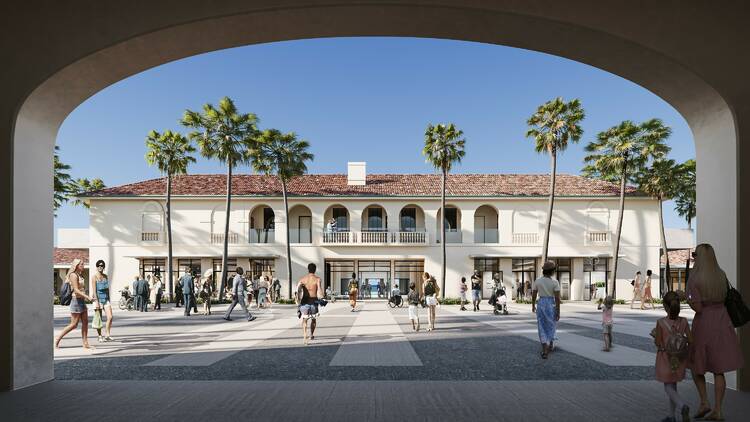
{"x":669,"y":335}
{"x":607,"y":322}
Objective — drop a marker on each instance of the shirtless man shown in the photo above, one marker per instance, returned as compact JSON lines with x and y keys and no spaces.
{"x":307,"y":307}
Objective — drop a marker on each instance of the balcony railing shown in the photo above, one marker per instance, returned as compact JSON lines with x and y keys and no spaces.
{"x":150,"y":236}
{"x":364,"y":238}
{"x":300,"y":235}
{"x":598,"y":238}
{"x":525,"y":238}
{"x":409,"y":238}
{"x":451,"y":236}
{"x":218,"y":238}
{"x":486,"y":236}
{"x":262,"y":236}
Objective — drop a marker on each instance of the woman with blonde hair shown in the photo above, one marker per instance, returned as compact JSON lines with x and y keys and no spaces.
{"x":430,"y":292}
{"x":715,"y":347}
{"x":78,"y":310}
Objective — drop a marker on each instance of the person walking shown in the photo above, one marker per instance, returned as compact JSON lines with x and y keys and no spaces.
{"x":636,"y":289}
{"x":715,"y":348}
{"x":207,"y":291}
{"x":100,"y":286}
{"x":353,"y":292}
{"x":263,"y":286}
{"x":607,"y":322}
{"x":414,"y":300}
{"x":136,"y":296}
{"x":646,"y":292}
{"x":672,"y":338}
{"x":462,"y":288}
{"x":186,"y":286}
{"x":151,"y":282}
{"x":548,"y":312}
{"x":179,"y":298}
{"x":430,"y":292}
{"x":276,"y":290}
{"x":196,"y":290}
{"x":78,"y":310}
{"x":142,"y":291}
{"x":238,"y":295}
{"x":476,"y":289}
{"x":158,"y":288}
{"x":308,"y":294}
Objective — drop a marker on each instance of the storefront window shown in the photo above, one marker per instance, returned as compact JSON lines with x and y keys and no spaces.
{"x":595,"y":273}
{"x":524,"y":273}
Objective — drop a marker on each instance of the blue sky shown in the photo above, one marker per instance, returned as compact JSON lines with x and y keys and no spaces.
{"x":361,"y":99}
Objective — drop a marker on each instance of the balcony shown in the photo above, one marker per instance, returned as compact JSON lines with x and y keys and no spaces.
{"x":151,"y":237}
{"x":262,"y":236}
{"x":451,"y":236}
{"x":486,"y":236}
{"x":300,"y":235}
{"x":598,"y":238}
{"x":375,"y":238}
{"x":218,"y":238}
{"x":525,"y":238}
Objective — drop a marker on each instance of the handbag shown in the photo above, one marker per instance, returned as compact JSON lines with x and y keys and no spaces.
{"x":736,"y":308}
{"x":97,"y":324}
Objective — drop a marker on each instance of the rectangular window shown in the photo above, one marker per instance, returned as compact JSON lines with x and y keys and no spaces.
{"x":562,"y":274}
{"x":193,"y":264}
{"x":375,"y":219}
{"x":342,"y":220}
{"x":409,"y":220}
{"x":595,"y":273}
{"x":337,"y":275}
{"x":231,"y":267}
{"x":524,"y":273}
{"x":487,"y":264}
{"x":268,"y":218}
{"x":153,"y":266}
{"x":451,"y":219}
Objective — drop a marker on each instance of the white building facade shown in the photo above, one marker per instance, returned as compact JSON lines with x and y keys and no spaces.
{"x":380,"y":227}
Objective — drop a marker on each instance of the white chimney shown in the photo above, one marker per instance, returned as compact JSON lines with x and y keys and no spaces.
{"x":357,"y":173}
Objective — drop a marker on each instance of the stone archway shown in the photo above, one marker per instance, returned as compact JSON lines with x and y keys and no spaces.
{"x":59,"y":55}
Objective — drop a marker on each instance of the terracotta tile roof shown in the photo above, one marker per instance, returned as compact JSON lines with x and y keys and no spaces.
{"x":65,"y":256}
{"x":677,"y":258}
{"x":488,"y":185}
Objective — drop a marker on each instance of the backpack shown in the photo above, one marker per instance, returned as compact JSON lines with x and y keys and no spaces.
{"x":675,"y":345}
{"x":66,"y":293}
{"x":429,"y":288}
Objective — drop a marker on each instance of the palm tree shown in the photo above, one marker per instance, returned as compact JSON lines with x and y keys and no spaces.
{"x":685,"y":197}
{"x":61,"y":181}
{"x":283,"y":155}
{"x":443,"y":146}
{"x":619,"y":154}
{"x":80,"y":186}
{"x":225,"y":134}
{"x":171,"y":153}
{"x":685,"y":201}
{"x":661,"y":180}
{"x":552,"y":126}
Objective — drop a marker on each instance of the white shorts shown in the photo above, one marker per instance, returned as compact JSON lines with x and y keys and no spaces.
{"x":414,"y":312}
{"x":431,"y":300}
{"x":463,"y":295}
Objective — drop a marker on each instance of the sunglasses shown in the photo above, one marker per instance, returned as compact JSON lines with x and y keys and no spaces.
{"x":100,"y":266}
{"x":693,"y":254}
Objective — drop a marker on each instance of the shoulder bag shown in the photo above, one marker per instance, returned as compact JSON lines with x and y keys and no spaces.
{"x":736,"y":308}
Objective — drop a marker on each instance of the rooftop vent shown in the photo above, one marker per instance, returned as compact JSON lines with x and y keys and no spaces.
{"x":356,"y":174}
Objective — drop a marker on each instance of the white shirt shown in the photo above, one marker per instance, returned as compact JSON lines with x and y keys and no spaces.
{"x":545,"y":286}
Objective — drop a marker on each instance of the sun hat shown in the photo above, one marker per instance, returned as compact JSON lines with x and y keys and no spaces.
{"x":549,"y":265}
{"x":208,"y":273}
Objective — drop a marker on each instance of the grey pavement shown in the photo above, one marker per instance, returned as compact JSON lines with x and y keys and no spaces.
{"x":367,"y":365}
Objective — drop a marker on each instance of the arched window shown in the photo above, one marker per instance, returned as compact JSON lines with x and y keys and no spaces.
{"x":152,"y":222}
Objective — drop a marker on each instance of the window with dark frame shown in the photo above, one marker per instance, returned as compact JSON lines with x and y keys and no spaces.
{"x":408,"y":220}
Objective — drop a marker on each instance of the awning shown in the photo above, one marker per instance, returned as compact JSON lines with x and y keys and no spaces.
{"x":232,"y":256}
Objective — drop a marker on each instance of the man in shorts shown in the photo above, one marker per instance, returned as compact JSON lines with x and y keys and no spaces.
{"x":308,"y":292}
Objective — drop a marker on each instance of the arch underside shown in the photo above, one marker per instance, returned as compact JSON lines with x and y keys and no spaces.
{"x":88,"y":53}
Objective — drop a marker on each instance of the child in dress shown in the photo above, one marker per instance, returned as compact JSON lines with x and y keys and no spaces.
{"x":672,"y":336}
{"x":607,"y":321}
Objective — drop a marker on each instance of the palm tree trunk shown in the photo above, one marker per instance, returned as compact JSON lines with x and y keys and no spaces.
{"x":169,"y":234}
{"x":442,"y":229}
{"x":667,"y":274}
{"x":225,"y":254}
{"x":288,"y":246}
{"x":616,"y":253}
{"x":548,"y":227}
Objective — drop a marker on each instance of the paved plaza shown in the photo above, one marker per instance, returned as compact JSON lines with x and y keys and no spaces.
{"x":367,"y":364}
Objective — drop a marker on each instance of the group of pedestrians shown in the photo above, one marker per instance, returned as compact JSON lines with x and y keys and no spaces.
{"x":642,"y":290}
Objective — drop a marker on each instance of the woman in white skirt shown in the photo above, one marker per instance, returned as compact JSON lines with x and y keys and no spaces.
{"x":430,"y":291}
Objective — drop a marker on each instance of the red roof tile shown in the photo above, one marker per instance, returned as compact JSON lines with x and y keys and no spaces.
{"x":65,"y":256}
{"x":488,"y":185}
{"x":677,"y":258}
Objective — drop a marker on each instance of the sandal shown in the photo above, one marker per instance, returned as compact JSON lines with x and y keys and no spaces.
{"x":703,"y":411}
{"x":544,"y":355}
{"x":713,"y":417}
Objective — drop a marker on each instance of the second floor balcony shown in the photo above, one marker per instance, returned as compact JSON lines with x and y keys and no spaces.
{"x":375,"y":238}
